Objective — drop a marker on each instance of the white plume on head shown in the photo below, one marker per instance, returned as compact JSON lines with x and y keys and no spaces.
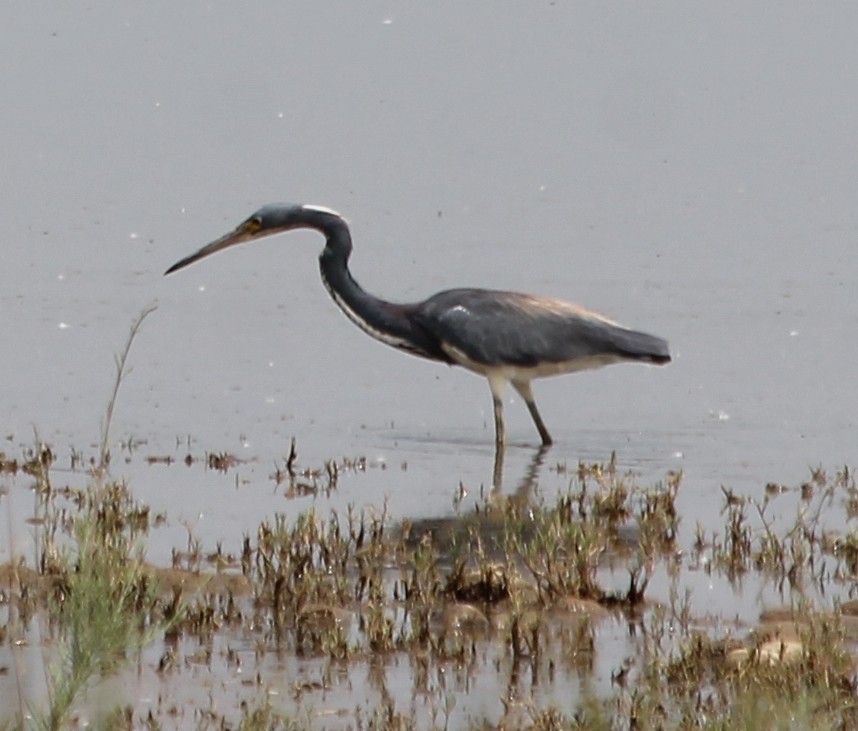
{"x":322,"y":209}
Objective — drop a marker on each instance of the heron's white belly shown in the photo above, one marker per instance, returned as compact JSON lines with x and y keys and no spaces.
{"x":522,"y":373}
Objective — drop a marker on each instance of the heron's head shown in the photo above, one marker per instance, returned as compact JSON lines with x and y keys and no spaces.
{"x":271,"y":219}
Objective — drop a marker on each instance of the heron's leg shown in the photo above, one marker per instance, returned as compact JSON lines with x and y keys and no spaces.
{"x":497,"y":384}
{"x":526,"y":392}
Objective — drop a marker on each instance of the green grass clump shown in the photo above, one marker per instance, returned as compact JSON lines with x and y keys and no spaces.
{"x":103,"y":609}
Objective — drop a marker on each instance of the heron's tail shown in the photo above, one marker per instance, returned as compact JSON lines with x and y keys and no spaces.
{"x":642,"y":346}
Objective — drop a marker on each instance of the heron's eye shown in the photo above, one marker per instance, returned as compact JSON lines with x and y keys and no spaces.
{"x":252,"y":225}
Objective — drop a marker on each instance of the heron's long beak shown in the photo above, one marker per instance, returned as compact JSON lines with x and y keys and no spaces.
{"x":245,"y":232}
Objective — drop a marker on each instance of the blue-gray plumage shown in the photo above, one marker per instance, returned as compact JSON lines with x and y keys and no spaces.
{"x":505,"y":336}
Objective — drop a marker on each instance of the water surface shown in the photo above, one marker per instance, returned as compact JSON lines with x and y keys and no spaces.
{"x":689,"y":171}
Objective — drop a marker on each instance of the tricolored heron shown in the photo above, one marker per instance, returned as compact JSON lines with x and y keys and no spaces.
{"x":504,"y":336}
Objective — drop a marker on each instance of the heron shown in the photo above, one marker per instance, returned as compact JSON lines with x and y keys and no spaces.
{"x":507,"y":337}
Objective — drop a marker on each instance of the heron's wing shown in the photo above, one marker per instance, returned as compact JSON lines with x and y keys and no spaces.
{"x":496,"y":328}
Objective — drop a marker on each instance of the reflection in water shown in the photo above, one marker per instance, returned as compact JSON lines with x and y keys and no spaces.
{"x":486,"y":521}
{"x":530,"y":476}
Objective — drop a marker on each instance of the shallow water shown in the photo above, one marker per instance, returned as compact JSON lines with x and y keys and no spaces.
{"x":688,"y":171}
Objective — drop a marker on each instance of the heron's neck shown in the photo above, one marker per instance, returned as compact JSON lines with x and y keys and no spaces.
{"x":383,"y":320}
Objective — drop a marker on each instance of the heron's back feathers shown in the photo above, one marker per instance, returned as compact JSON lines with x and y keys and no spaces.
{"x":495,"y":329}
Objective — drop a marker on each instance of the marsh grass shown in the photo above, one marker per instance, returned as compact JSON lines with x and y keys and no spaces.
{"x":93,"y":592}
{"x":100,"y":606}
{"x":104,"y":611}
{"x":515,"y":590}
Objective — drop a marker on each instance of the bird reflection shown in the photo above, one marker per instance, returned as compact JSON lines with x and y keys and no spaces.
{"x":530,"y":477}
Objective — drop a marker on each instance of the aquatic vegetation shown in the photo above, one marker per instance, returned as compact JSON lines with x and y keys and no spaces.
{"x":527,"y":594}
